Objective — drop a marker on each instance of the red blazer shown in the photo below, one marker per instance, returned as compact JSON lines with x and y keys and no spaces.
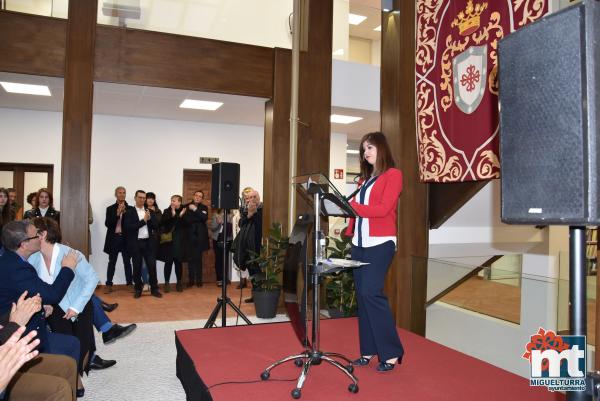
{"x":383,"y":202}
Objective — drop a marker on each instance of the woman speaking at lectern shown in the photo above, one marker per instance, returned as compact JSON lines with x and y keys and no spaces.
{"x":373,"y":235}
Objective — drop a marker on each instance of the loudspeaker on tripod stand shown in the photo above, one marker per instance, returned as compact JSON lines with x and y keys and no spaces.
{"x":549,"y":72}
{"x":225,"y":185}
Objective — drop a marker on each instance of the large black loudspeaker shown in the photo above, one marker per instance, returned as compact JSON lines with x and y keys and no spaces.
{"x":225,"y":186}
{"x":549,"y":119}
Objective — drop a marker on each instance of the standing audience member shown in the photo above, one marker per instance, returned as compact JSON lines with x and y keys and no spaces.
{"x":32,"y":200}
{"x":116,"y":241}
{"x":44,"y":207}
{"x":139,"y":224}
{"x":4,"y":210}
{"x":195,"y":217}
{"x":216,"y":233}
{"x":235,"y":224}
{"x":152,"y":206}
{"x":15,"y":209}
{"x":251,"y":230}
{"x":172,"y":246}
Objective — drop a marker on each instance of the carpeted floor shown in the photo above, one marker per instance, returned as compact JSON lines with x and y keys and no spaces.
{"x":145,"y":369}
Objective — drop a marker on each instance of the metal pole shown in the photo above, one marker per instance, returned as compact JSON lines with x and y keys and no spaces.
{"x":577,"y":292}
{"x":315,"y":275}
{"x":294,"y":113}
{"x":224,"y":275}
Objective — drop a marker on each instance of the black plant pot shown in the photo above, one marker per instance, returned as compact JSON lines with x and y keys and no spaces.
{"x":265,"y":303}
{"x":335,"y":313}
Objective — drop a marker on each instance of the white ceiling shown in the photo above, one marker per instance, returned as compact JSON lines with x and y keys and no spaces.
{"x":150,"y":102}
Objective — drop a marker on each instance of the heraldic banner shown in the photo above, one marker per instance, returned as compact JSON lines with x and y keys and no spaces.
{"x":456,"y":68}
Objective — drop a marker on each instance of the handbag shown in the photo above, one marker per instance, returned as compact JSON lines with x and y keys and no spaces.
{"x":166,"y":237}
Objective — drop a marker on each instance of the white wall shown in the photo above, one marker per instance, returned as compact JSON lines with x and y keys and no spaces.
{"x":150,"y":154}
{"x":337,"y":160}
{"x":32,"y":137}
{"x":476,"y":230}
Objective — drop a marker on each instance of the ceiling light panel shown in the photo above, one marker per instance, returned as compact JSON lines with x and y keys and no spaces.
{"x":341,"y":119}
{"x":355,"y":19}
{"x":200,"y":105}
{"x":26,"y":89}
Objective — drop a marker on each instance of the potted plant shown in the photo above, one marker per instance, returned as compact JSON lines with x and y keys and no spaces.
{"x":266,"y":286}
{"x":339,"y":288}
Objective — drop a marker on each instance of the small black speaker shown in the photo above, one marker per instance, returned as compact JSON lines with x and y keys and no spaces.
{"x":549,"y":116}
{"x":225,"y":186}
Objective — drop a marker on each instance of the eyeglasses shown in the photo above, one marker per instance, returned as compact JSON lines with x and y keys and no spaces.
{"x":37,"y":235}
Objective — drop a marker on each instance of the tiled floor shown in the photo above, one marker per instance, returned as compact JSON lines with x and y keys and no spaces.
{"x":192,"y":303}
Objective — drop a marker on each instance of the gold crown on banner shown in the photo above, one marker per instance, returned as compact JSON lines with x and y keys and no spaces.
{"x":469,"y":20}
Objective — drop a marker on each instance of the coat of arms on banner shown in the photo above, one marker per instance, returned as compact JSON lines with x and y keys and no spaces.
{"x":456,"y":83}
{"x":469,"y":69}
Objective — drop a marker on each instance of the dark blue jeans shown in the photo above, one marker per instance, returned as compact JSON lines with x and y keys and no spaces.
{"x":376,"y":325}
{"x":101,"y":321}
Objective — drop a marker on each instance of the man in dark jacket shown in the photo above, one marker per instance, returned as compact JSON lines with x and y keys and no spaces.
{"x":21,"y":240}
{"x":195,"y":217}
{"x":115,"y":239}
{"x":140,"y":225}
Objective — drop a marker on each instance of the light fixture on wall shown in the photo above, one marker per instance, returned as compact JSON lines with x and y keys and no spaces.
{"x":26,"y":89}
{"x":352,"y":151}
{"x":200,"y":105}
{"x":378,"y":29}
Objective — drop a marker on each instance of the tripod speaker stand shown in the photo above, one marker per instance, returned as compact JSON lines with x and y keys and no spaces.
{"x":225,"y":192}
{"x":224,"y":300}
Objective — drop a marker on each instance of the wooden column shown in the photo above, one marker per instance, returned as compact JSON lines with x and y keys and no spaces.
{"x":77,"y":123}
{"x":314,"y":111}
{"x":314,"y":107}
{"x":405,"y":286}
{"x":277,"y":143}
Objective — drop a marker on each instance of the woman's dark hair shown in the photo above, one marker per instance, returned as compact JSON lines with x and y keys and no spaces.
{"x":151,"y":195}
{"x":50,"y":226}
{"x":5,"y":212}
{"x":50,"y":197}
{"x":31,"y":198}
{"x":384,"y":160}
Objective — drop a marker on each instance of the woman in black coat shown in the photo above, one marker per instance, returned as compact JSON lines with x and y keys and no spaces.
{"x":171,"y":250}
{"x":195,"y":215}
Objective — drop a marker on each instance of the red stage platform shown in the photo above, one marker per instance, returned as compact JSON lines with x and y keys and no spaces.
{"x":430,"y":372}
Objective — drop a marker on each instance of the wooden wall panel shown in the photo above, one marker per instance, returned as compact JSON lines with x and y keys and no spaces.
{"x":77,"y":123}
{"x":277,"y":143}
{"x":406,"y":287}
{"x":158,"y":59}
{"x":32,"y":44}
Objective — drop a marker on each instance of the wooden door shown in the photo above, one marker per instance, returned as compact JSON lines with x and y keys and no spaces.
{"x":26,"y":178}
{"x":200,"y":180}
